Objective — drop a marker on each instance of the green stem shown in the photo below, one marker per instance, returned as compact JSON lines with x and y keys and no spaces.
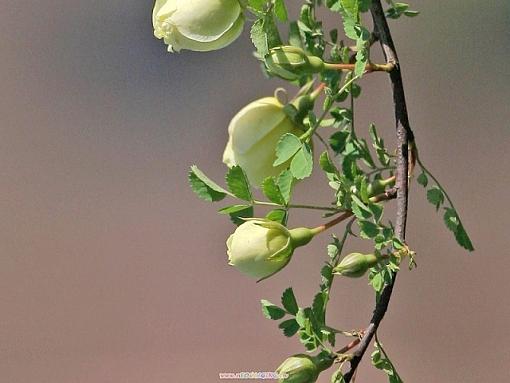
{"x":297,"y":206}
{"x":437,"y":183}
{"x":335,"y":261}
{"x":316,"y":93}
{"x":352,"y":112}
{"x":310,"y":132}
{"x":380,"y":170}
{"x":370,"y":67}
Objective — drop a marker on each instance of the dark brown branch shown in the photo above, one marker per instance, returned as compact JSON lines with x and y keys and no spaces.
{"x":404,"y":136}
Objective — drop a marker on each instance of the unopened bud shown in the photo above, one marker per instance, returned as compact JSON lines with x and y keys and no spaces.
{"x":378,"y":186}
{"x":290,"y":63}
{"x":261,"y":248}
{"x":302,"y":368}
{"x":355,"y":265}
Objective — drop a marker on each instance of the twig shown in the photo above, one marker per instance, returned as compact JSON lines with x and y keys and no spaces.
{"x":404,"y":136}
{"x":386,"y":196}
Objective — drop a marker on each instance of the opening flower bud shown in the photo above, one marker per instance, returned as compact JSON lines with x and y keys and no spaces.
{"x":290,"y":63}
{"x":261,"y":248}
{"x":355,"y":265}
{"x":302,"y":368}
{"x":253,"y":135}
{"x":198,"y":25}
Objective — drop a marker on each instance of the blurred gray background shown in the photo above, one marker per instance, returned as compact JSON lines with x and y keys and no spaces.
{"x":112,"y":271}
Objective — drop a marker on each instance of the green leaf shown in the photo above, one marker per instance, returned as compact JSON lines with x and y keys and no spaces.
{"x":364,"y":5}
{"x":377,"y":282}
{"x":264,"y":34}
{"x":289,"y":301}
{"x":271,"y":30}
{"x":290,"y":327}
{"x":272,"y":191}
{"x":423,"y":179}
{"x":451,"y":219}
{"x":411,"y":13}
{"x":318,"y":307}
{"x":332,"y":250}
{"x":333,"y":35}
{"x":277,"y":215}
{"x":233,"y":209}
{"x":361,"y":63}
{"x":237,"y":216}
{"x":238,"y":183}
{"x":326,"y":164}
{"x":435,"y":196}
{"x":381,"y":361}
{"x":204,"y":187}
{"x":337,"y":376}
{"x":280,"y":10}
{"x":301,"y":318}
{"x":462,"y":238}
{"x":453,"y":223}
{"x":285,"y":182}
{"x":272,"y":311}
{"x":338,"y":140}
{"x":257,"y":5}
{"x":302,"y":163}
{"x":359,"y":208}
{"x":258,"y":37}
{"x":287,"y":147}
{"x":351,"y":7}
{"x":294,"y":35}
{"x":327,"y":273}
{"x":378,"y":144}
{"x":377,"y":210}
{"x":368,"y":229}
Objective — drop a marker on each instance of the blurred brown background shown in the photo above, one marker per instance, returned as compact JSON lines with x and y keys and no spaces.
{"x":112,"y":271}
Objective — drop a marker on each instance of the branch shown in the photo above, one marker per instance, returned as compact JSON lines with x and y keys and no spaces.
{"x":404,"y":137}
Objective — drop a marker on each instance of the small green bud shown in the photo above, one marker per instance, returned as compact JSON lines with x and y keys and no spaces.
{"x":375,"y":188}
{"x":290,"y":63}
{"x":302,"y":368}
{"x":378,"y":186}
{"x":355,"y":265}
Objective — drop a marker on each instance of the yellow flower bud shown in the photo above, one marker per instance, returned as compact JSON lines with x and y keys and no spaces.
{"x":260,"y":248}
{"x":253,"y":135}
{"x":198,"y":25}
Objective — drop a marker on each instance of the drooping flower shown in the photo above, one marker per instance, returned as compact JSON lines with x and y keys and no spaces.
{"x":260,"y":248}
{"x":253,"y":135}
{"x":197,"y":25}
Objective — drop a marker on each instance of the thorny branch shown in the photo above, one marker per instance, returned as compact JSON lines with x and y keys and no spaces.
{"x":404,"y":138}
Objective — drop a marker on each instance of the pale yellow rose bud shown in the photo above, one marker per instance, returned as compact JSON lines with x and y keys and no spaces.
{"x":260,"y":248}
{"x":302,"y":368}
{"x":253,"y":135}
{"x":197,"y":25}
